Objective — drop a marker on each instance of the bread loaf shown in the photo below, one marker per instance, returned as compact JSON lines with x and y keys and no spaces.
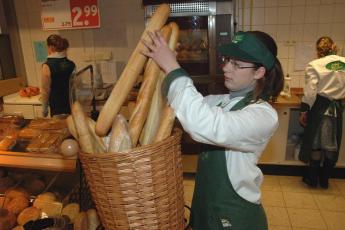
{"x":86,"y":141}
{"x":47,"y":196}
{"x":166,"y":124}
{"x":93,"y":219}
{"x":7,"y":143}
{"x":120,"y":139}
{"x":71,"y":210}
{"x":28,"y":214}
{"x":7,"y":219}
{"x":81,"y":222}
{"x":129,"y":75}
{"x":17,"y":204}
{"x":71,"y":127}
{"x":142,"y":105}
{"x":155,"y":114}
{"x":50,"y":208}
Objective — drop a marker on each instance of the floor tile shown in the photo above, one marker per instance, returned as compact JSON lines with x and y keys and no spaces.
{"x":330,"y":202}
{"x":306,"y":218}
{"x":273,"y":227}
{"x":293,"y":184}
{"x":271,"y":183}
{"x":340,"y":183}
{"x":334,"y":220}
{"x":273,"y":198}
{"x":332,"y":189}
{"x":299,"y":200}
{"x":277,"y":216}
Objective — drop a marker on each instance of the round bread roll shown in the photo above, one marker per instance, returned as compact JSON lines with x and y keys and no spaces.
{"x":6,"y":183}
{"x":15,"y":192}
{"x":17,"y":204}
{"x":30,"y":213}
{"x":71,"y":210}
{"x":47,"y":196}
{"x":93,"y":219}
{"x":81,"y":222}
{"x":18,"y":227}
{"x":34,"y":186}
{"x":7,"y":219}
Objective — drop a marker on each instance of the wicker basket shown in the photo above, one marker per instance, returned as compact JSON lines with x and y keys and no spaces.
{"x":141,"y":189}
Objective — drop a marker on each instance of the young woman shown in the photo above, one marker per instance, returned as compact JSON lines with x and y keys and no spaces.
{"x":321,"y":112}
{"x":56,"y":72}
{"x":236,"y":126}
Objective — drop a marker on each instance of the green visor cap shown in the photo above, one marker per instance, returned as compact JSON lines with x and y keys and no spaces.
{"x":246,"y":47}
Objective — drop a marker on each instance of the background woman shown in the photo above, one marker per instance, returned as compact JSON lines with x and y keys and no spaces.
{"x":235,"y":126}
{"x":56,"y":72}
{"x":321,"y":112}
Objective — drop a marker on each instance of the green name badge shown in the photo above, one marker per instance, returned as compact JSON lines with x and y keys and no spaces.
{"x":336,"y":65}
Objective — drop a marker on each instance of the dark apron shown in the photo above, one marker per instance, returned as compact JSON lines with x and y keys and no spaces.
{"x":315,"y":116}
{"x":216,"y":205}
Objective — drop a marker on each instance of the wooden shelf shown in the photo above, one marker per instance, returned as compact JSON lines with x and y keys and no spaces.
{"x":40,"y":161}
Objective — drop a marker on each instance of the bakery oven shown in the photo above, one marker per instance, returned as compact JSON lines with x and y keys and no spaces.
{"x":204,"y":26}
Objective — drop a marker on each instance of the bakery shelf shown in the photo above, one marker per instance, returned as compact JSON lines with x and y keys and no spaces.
{"x":40,"y":161}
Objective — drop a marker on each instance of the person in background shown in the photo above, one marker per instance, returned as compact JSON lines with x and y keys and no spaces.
{"x":56,"y":72}
{"x":321,"y":113}
{"x":236,"y":128}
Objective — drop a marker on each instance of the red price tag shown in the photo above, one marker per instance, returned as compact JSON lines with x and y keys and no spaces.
{"x":84,"y":13}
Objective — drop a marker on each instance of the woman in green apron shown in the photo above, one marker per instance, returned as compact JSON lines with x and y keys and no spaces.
{"x":236,"y":128}
{"x":322,"y":113}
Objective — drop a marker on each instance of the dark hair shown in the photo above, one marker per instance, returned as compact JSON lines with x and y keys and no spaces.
{"x":57,"y":42}
{"x":272,"y":83}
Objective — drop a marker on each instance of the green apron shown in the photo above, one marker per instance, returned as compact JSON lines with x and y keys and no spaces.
{"x":216,"y":205}
{"x":315,"y":115}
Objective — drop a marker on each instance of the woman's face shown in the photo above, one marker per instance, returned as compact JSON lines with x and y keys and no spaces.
{"x":239,"y":74}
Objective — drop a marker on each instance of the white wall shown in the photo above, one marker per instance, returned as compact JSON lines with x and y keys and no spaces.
{"x":294,"y":24}
{"x":122,"y":23}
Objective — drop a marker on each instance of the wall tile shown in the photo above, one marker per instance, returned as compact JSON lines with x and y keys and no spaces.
{"x":327,"y":1}
{"x":283,"y":50}
{"x":283,"y":32}
{"x":296,"y":32}
{"x":259,"y":3}
{"x":313,"y":2}
{"x":298,"y":2}
{"x":337,"y":31}
{"x":297,"y":14}
{"x":270,"y":3}
{"x":284,"y":15}
{"x":284,"y":2}
{"x":324,"y":29}
{"x":258,"y":16}
{"x":271,"y":15}
{"x":311,"y":14}
{"x":310,"y":32}
{"x":338,"y":13}
{"x":271,"y":30}
{"x":326,"y":13}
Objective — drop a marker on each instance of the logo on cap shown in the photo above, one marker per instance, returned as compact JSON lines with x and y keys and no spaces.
{"x":238,"y":38}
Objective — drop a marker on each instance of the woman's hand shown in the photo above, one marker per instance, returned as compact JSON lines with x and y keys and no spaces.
{"x":303,"y":119}
{"x":160,"y":52}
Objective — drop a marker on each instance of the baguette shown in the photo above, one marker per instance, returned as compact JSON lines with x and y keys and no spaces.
{"x":71,"y":127}
{"x":142,"y":105}
{"x":155,"y":114}
{"x":86,"y":141}
{"x":99,"y":143}
{"x":120,"y":139}
{"x":129,"y":75}
{"x":166,"y":124}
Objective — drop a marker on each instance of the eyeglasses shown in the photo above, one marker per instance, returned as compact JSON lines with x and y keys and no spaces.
{"x":234,"y":64}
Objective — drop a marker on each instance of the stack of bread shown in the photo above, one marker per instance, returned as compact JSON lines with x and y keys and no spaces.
{"x":22,"y":199}
{"x":151,"y":119}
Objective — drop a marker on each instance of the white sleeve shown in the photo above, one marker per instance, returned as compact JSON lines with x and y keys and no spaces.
{"x":310,"y":88}
{"x":239,"y":130}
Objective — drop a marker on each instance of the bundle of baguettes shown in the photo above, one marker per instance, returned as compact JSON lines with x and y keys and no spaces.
{"x":124,"y":135}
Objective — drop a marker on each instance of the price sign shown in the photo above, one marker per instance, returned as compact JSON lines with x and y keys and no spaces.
{"x":70,"y":14}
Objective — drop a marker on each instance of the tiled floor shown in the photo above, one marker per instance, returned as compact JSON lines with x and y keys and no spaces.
{"x":290,"y":205}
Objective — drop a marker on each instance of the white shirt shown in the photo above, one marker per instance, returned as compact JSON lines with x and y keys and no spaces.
{"x":323,"y":81}
{"x":244,"y":133}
